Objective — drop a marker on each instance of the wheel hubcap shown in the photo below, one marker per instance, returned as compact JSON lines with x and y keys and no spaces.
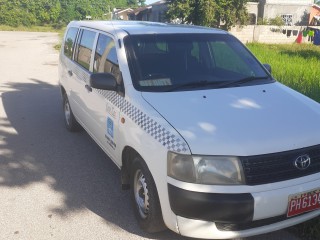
{"x":141,"y":194}
{"x":67,"y":111}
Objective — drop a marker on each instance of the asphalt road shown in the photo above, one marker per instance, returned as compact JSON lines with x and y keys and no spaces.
{"x":55,"y":184}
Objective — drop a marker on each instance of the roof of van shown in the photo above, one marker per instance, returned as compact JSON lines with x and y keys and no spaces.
{"x":143,"y":27}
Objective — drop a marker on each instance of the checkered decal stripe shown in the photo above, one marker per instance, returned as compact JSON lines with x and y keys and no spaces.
{"x":81,"y":74}
{"x":111,"y":96}
{"x":150,"y":126}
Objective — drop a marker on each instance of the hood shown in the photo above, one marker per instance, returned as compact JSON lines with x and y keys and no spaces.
{"x":241,"y":121}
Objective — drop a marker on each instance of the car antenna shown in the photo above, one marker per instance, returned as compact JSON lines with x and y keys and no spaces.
{"x":119,"y":41}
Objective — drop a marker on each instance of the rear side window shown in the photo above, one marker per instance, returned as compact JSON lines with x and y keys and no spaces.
{"x":106,"y":59}
{"x":69,"y":42}
{"x":85,"y":48}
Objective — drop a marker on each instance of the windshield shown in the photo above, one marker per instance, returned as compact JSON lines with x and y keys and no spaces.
{"x":182,"y":62}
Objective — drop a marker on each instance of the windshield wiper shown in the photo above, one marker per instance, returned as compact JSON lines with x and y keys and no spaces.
{"x":194,"y":84}
{"x":218,"y":84}
{"x":241,"y":81}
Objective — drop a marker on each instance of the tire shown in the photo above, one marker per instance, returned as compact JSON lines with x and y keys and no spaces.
{"x":145,"y":198}
{"x":70,"y":121}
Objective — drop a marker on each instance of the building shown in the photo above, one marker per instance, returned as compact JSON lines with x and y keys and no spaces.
{"x":122,"y":14}
{"x":253,"y":11}
{"x":314,"y":18}
{"x":154,"y":12}
{"x":293,"y":12}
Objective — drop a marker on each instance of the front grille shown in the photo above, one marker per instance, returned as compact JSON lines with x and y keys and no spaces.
{"x":253,"y":224}
{"x":249,"y":225}
{"x":276,"y":167}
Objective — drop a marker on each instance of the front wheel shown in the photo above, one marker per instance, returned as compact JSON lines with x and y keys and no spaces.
{"x":145,"y":198}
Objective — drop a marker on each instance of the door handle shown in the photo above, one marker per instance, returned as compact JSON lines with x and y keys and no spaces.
{"x":70,"y":73}
{"x":88,"y":88}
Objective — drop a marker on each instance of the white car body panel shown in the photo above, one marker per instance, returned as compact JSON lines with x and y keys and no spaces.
{"x":241,"y":121}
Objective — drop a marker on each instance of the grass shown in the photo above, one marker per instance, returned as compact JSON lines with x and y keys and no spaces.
{"x":297,"y":66}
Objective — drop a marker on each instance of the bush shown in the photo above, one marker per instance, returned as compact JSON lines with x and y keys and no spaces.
{"x":58,"y":26}
{"x":277,"y":21}
{"x":262,"y":21}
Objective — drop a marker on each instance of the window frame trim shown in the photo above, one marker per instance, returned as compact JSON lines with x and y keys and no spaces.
{"x":73,"y":44}
{"x":77,"y":43}
{"x":115,"y":44}
{"x":76,"y":52}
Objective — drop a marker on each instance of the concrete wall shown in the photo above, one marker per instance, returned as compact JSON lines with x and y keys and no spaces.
{"x":266,"y":34}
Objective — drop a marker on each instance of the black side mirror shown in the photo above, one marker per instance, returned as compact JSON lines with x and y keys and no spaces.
{"x":103,"y":81}
{"x":268,"y":67}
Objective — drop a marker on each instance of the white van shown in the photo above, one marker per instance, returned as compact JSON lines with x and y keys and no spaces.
{"x":209,"y":143}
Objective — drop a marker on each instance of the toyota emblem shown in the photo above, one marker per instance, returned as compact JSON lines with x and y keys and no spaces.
{"x":302,"y":162}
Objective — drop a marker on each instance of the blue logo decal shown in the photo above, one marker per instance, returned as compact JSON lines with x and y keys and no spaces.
{"x":110,"y":127}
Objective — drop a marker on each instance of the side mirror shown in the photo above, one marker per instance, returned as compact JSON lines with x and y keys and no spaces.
{"x":268,"y":67}
{"x":103,"y":81}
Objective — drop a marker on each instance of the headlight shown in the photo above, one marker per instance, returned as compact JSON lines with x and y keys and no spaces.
{"x":213,"y":170}
{"x":181,"y":167}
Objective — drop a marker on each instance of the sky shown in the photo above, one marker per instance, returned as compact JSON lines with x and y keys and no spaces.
{"x":151,"y":1}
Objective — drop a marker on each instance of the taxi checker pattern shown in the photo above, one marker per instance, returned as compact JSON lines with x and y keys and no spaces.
{"x":159,"y":133}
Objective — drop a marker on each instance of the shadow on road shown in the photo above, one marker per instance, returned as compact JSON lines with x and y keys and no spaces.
{"x":36,"y":147}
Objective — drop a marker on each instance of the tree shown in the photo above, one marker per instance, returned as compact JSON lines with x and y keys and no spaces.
{"x":210,"y":13}
{"x":55,"y":12}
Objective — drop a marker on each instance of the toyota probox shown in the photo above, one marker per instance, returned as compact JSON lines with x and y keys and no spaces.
{"x":209,"y":143}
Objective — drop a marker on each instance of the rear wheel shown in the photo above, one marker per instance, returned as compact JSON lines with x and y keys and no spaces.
{"x":145,"y":198}
{"x":70,"y":121}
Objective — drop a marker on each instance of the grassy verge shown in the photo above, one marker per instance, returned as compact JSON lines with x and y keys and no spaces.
{"x":30,"y":29}
{"x":297,"y":66}
{"x":36,"y":29}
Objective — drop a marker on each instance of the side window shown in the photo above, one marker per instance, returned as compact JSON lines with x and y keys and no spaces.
{"x":105,"y":59}
{"x":69,"y":41}
{"x":85,"y":48}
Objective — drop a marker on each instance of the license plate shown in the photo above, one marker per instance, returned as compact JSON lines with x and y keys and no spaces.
{"x":303,"y":202}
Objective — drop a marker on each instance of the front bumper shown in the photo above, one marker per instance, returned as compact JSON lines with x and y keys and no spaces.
{"x":208,"y":230}
{"x":214,"y":207}
{"x":232,"y":212}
